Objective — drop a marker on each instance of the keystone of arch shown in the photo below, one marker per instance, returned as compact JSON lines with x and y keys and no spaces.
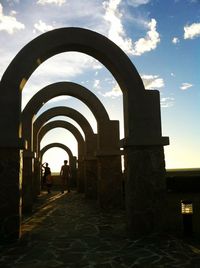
{"x":58,"y":89}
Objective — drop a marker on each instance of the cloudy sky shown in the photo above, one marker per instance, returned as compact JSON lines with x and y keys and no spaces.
{"x":162,"y":39}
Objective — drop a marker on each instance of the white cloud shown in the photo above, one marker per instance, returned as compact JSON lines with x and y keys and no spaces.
{"x":114,"y":93}
{"x":13,"y":13}
{"x":185,"y":86}
{"x":96,"y":83}
{"x":9,"y":24}
{"x":42,"y":27}
{"x":175,"y":40}
{"x":55,"y":2}
{"x":192,"y":31}
{"x":73,"y":64}
{"x":116,"y":31}
{"x":118,"y":35}
{"x":137,"y":3}
{"x":149,"y":42}
{"x":167,"y":102}
{"x":152,"y":81}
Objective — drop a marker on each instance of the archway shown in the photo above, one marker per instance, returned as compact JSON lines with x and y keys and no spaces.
{"x":88,"y":162}
{"x":62,"y":124}
{"x":59,"y":145}
{"x":143,"y":139}
{"x":29,"y":192}
{"x":108,"y":136}
{"x":72,"y":159}
{"x":58,"y":89}
{"x":80,"y":141}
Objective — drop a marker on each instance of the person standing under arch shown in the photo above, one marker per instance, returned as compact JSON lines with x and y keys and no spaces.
{"x":65,"y":174}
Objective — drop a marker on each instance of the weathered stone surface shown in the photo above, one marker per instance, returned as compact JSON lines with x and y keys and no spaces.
{"x":10,"y":193}
{"x":91,"y":178}
{"x":145,"y":190}
{"x":53,"y":239}
{"x":27,"y":185}
{"x":109,"y":181}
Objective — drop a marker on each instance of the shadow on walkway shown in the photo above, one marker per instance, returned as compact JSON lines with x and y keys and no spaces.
{"x":66,"y":230}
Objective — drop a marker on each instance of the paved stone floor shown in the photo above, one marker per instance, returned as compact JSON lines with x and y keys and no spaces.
{"x":68,"y":231}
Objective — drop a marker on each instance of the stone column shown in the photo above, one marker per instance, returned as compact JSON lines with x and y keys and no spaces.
{"x":109,"y":165}
{"x":145,"y":189}
{"x":81,"y":176}
{"x":91,"y":177}
{"x":91,"y":173}
{"x":10,"y":193}
{"x":109,"y":180}
{"x":36,"y":178}
{"x":27,"y":182}
{"x":73,"y":181}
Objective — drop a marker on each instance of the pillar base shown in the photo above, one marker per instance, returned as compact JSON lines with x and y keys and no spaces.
{"x":10,"y":194}
{"x":145,"y":190}
{"x":109,"y":181}
{"x":27,"y":185}
{"x":91,"y":178}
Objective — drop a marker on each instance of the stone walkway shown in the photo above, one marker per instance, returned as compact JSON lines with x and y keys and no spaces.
{"x":68,"y":231}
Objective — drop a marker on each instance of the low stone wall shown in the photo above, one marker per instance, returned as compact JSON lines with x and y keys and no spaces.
{"x":56,"y":180}
{"x":183,"y":185}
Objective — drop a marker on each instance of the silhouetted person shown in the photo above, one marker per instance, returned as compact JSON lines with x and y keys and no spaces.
{"x":47,"y":177}
{"x":65,"y":174}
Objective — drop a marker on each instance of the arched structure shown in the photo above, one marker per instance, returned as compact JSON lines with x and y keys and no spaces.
{"x":90,"y":142}
{"x":143,"y":138}
{"x":31,"y":182}
{"x":72,"y":159}
{"x":63,"y":111}
{"x":62,"y":124}
{"x":59,"y":145}
{"x":108,"y":138}
{"x":80,"y":183}
{"x":58,"y":89}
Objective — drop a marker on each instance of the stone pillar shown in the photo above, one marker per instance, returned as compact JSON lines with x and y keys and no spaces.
{"x":81,"y":176}
{"x":91,"y":177}
{"x":73,"y":181}
{"x":10,"y":193}
{"x":27,"y":182}
{"x":109,"y":165}
{"x":91,"y":173}
{"x":109,"y":180}
{"x":145,"y":189}
{"x":36,"y":178}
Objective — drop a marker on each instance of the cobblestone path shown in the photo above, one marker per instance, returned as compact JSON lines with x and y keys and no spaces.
{"x":69,"y":231}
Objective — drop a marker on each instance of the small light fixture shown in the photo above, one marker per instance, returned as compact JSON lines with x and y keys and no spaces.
{"x":186,"y":207}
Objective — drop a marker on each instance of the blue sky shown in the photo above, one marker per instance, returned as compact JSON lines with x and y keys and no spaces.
{"x":162,"y":39}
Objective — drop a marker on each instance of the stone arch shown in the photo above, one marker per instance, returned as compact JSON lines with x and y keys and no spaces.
{"x":59,"y":145}
{"x":142,"y":122}
{"x":72,"y":159}
{"x":62,"y":111}
{"x":90,"y":141}
{"x":28,"y":176}
{"x":108,"y":130}
{"x":58,"y":89}
{"x":99,"y":47}
{"x":81,"y":146}
{"x":62,"y":124}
